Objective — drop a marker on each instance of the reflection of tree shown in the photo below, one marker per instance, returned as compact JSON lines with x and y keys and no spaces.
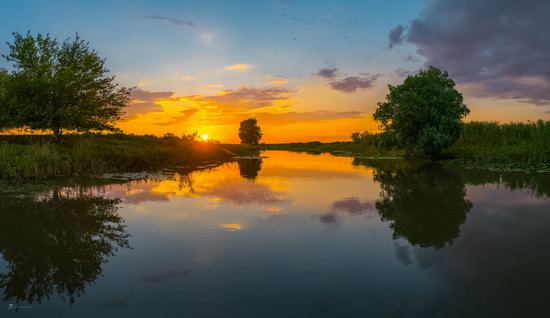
{"x":56,"y":243}
{"x":249,"y":168}
{"x":424,"y":202}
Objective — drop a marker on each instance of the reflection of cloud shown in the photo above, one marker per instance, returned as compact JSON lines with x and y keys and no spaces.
{"x":232,"y":226}
{"x":135,"y":192}
{"x":500,"y":260}
{"x":237,"y":67}
{"x":240,"y":192}
{"x":353,"y":206}
{"x":114,"y":303}
{"x":347,"y":207}
{"x":403,"y":254}
{"x":163,"y":277}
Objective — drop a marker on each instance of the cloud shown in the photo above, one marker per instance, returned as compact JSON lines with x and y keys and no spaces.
{"x":396,"y":36}
{"x":180,"y":22}
{"x":313,"y":116}
{"x":144,"y":102}
{"x":309,"y":22}
{"x":401,"y":72}
{"x":237,"y":67}
{"x":504,"y":56}
{"x":186,"y":114}
{"x":248,"y":97}
{"x":207,"y":37}
{"x":279,"y":81}
{"x":327,"y":72}
{"x":352,"y":84}
{"x":411,"y":58}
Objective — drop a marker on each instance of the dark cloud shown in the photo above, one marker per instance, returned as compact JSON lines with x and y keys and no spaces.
{"x":411,"y":58}
{"x":396,"y":36}
{"x":175,"y":21}
{"x":144,"y":102}
{"x":401,"y":72}
{"x":148,"y":96}
{"x":499,"y":48}
{"x":327,"y":72}
{"x":352,"y":84}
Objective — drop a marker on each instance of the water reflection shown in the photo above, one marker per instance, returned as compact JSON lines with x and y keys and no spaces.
{"x":424,"y":202}
{"x":249,"y":167}
{"x":56,"y":242}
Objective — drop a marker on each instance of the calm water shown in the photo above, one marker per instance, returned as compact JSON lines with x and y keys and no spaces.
{"x":293,"y":235}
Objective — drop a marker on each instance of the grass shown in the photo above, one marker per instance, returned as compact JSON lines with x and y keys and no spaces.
{"x":508,"y":147}
{"x":36,"y":158}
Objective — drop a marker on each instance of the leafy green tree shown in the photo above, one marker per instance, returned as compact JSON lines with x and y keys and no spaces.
{"x":3,"y":98}
{"x":422,"y":115}
{"x":249,"y":132}
{"x":61,"y":86}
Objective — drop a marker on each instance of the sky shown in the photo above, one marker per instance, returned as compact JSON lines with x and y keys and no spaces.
{"x":306,"y":69}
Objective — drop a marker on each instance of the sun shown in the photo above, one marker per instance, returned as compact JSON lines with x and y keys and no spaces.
{"x":204,"y":137}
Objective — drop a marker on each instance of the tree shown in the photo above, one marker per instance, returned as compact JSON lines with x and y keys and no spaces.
{"x":422,"y":115}
{"x":61,"y":86}
{"x":249,"y":132}
{"x":4,"y":110}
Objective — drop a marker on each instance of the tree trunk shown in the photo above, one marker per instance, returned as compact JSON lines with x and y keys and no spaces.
{"x":57,"y":132}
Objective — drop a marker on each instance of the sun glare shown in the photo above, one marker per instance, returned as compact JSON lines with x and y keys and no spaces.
{"x":205,"y":137}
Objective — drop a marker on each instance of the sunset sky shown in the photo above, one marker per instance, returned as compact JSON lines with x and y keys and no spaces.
{"x":307,"y":70}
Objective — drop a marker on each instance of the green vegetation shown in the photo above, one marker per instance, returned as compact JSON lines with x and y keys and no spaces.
{"x":249,"y":132}
{"x":58,"y":87}
{"x":34,"y":157}
{"x":513,"y":147}
{"x":423,"y":115}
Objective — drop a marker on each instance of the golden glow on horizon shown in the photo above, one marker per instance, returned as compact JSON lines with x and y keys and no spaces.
{"x":204,"y":137}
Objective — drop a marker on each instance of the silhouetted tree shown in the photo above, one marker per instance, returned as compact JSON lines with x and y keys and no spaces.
{"x":249,"y":132}
{"x":249,"y":168}
{"x":422,"y":115}
{"x":424,"y":202}
{"x":61,"y":86}
{"x":56,"y":243}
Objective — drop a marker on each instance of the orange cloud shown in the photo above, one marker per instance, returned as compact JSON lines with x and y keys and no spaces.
{"x":238,"y":67}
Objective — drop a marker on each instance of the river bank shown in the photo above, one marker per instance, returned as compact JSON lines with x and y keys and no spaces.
{"x":36,"y":158}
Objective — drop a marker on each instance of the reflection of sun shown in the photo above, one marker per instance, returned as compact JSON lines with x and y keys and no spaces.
{"x":205,"y":137}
